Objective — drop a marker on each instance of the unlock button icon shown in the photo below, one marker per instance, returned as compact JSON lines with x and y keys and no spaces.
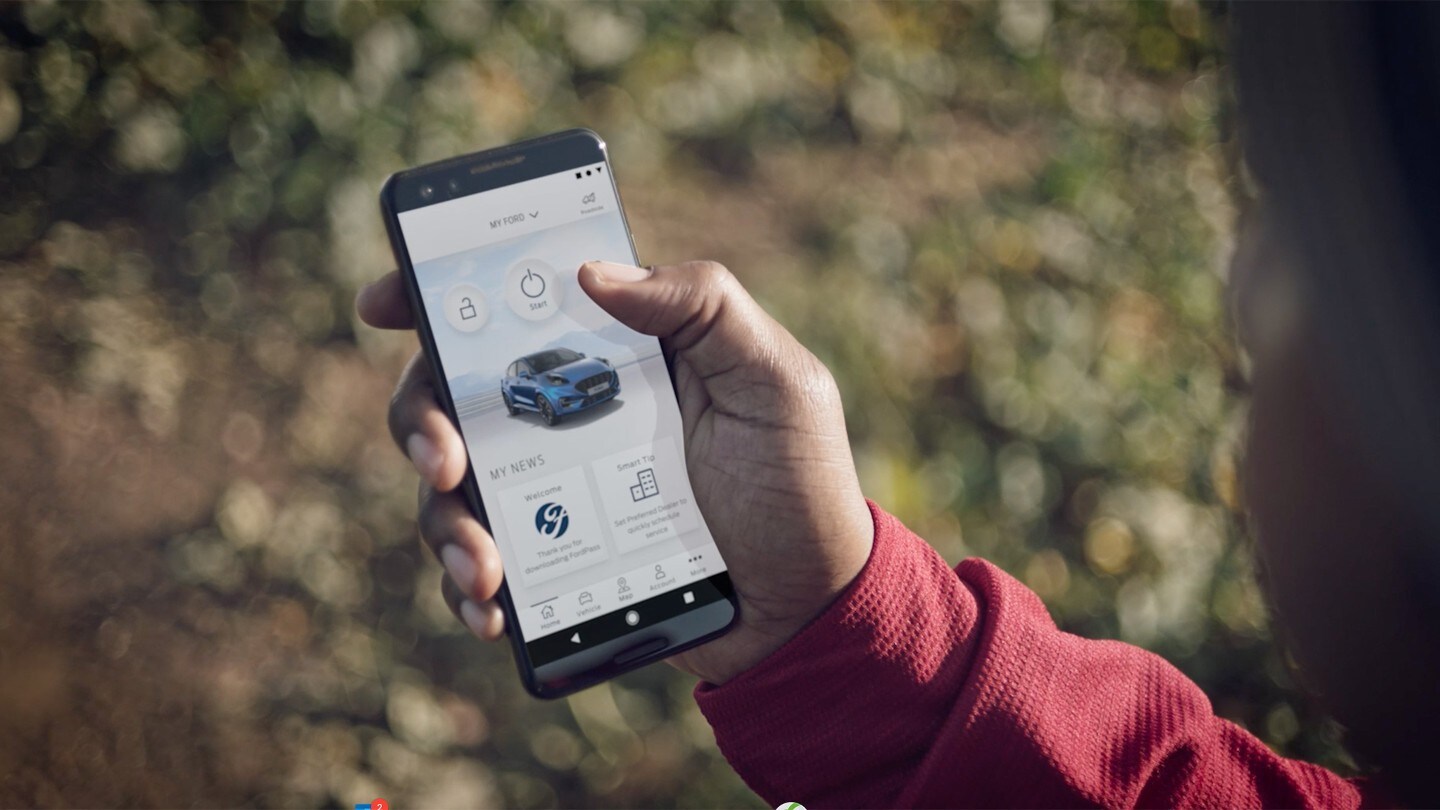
{"x":464,"y":307}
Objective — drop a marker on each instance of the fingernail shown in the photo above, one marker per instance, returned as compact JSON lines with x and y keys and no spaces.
{"x":361,"y":294}
{"x":426,"y":457}
{"x":470,"y":613}
{"x":611,"y":271}
{"x":366,"y":291}
{"x":459,"y":565}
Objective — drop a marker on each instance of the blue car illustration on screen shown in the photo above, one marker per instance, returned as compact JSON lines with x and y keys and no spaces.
{"x":556,"y":383}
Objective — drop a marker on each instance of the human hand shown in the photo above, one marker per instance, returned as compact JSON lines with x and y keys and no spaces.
{"x":765,"y":444}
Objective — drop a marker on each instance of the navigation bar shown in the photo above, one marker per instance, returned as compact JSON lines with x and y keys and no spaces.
{"x":633,"y":619}
{"x":633,"y":586}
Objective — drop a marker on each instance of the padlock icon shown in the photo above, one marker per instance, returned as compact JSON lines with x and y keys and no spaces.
{"x":467,"y":309}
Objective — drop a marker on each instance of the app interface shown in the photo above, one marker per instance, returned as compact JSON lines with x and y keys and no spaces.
{"x":569,"y":416}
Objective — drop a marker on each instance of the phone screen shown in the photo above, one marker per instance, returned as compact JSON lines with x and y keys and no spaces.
{"x":569,"y":416}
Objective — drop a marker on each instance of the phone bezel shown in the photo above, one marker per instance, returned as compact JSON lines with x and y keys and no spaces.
{"x":539,"y":157}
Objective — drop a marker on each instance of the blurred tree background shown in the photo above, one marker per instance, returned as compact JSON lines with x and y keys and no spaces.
{"x":1005,"y":227}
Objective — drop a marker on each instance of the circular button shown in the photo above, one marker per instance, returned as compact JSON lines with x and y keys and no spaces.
{"x":533,"y":290}
{"x":465,"y":307}
{"x":632,"y":618}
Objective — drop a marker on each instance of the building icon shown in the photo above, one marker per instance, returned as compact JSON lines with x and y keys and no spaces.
{"x":647,"y":487}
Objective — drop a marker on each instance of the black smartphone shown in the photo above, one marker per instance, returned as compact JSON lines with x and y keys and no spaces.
{"x":577,"y":464}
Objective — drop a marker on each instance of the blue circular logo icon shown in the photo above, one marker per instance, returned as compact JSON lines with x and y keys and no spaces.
{"x":552,"y":520}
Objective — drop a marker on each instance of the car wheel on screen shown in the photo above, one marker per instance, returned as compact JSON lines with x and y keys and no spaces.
{"x":509,"y":406}
{"x":548,"y":413}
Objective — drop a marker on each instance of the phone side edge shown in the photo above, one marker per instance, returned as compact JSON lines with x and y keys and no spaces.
{"x":470,"y":487}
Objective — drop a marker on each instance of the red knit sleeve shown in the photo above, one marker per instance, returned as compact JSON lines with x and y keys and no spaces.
{"x":926,"y":686}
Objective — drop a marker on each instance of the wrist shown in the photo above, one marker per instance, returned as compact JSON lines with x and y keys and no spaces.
{"x":777,"y":609}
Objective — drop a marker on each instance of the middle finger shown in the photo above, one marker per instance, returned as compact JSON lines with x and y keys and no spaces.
{"x":460,"y":543}
{"x":423,"y":431}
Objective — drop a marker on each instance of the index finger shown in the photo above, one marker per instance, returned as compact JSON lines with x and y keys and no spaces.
{"x":384,"y":305}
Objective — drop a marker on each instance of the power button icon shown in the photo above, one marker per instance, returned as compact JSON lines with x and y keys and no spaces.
{"x":533,"y":290}
{"x":532,"y":284}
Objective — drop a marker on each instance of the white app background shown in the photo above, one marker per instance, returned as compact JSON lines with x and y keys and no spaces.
{"x":622,"y":522}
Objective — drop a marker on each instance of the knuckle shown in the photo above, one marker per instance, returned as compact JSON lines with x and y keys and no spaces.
{"x":400,"y":414}
{"x":494,"y":622}
{"x":713,"y":276}
{"x":488,"y":570}
{"x":396,"y":421}
{"x":429,"y":517}
{"x":451,"y":593}
{"x":819,"y":375}
{"x":814,"y":383}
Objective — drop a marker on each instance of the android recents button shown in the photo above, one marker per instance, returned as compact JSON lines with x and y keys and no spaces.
{"x":641,"y":650}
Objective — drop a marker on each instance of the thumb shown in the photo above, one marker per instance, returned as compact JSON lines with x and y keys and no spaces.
{"x":698,"y":308}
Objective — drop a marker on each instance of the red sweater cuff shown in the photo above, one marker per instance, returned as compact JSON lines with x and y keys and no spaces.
{"x":926,"y":686}
{"x":905,"y":619}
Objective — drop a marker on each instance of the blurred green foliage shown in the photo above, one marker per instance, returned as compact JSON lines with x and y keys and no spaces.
{"x":1004,"y":227}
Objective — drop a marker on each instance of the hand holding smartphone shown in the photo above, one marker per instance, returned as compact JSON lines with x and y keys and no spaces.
{"x":569,"y":416}
{"x":760,"y":429}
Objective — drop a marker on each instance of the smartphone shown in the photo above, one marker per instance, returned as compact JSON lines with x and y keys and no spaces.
{"x":577,"y":463}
